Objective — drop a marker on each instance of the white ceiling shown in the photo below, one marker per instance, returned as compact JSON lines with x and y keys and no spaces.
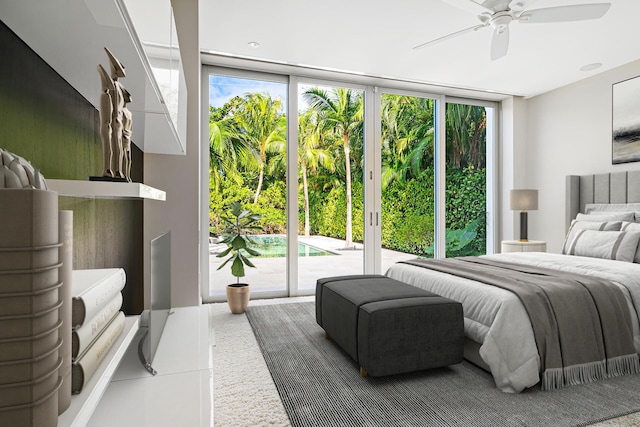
{"x":376,"y":37}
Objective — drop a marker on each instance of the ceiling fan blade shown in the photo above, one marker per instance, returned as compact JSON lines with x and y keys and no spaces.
{"x":449,"y":36}
{"x":470,"y":6}
{"x":499,"y":43}
{"x":578,"y":12}
{"x":521,"y":5}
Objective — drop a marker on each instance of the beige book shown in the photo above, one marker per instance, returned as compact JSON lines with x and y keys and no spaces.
{"x":83,"y":368}
{"x":82,"y":337}
{"x":65,"y":255}
{"x":91,"y":290}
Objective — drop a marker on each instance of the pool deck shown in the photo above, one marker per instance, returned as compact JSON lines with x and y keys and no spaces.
{"x":270,"y":273}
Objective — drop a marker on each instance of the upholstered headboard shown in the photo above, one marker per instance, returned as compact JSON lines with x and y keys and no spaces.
{"x":616,"y":187}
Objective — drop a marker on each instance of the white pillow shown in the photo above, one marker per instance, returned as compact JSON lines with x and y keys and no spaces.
{"x":588,"y":225}
{"x":632,"y":226}
{"x":616,"y":245}
{"x":600,"y":216}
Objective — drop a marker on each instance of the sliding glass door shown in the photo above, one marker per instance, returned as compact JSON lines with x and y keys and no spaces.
{"x":347,"y":179}
{"x":407,"y":149}
{"x":466,"y":178}
{"x":248,"y":151}
{"x":330,"y":171}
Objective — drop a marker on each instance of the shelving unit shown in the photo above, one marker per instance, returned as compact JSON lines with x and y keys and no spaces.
{"x":70,"y":35}
{"x":105,"y":190}
{"x":83,"y":404}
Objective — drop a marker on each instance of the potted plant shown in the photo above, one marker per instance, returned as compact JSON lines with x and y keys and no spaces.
{"x":236,"y":231}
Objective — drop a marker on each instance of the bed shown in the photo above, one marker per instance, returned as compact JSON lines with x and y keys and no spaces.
{"x":499,"y":333}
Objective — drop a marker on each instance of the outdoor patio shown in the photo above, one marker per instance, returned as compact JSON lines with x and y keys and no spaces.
{"x":270,"y":273}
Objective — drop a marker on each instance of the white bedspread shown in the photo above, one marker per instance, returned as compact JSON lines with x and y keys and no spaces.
{"x":496,"y":318}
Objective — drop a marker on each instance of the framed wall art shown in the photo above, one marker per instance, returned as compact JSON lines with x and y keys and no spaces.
{"x":625,"y":135}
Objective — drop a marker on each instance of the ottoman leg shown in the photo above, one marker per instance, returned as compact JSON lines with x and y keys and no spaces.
{"x":363,"y":372}
{"x":326,"y":335}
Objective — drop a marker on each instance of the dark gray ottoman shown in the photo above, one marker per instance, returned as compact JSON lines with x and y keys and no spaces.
{"x":387,"y":326}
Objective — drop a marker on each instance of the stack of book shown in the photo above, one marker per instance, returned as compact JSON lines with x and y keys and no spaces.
{"x":96,"y":318}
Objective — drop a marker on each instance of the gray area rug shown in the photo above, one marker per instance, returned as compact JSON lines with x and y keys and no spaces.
{"x":320,"y":385}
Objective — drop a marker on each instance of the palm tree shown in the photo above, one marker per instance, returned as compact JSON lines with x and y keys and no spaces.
{"x":311,"y":155}
{"x":342,"y":109}
{"x":407,"y":136}
{"x":227,"y":150}
{"x":263,"y":126}
{"x":466,"y":139}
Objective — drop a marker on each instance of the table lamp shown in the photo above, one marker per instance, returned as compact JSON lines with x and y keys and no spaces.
{"x":523,"y":201}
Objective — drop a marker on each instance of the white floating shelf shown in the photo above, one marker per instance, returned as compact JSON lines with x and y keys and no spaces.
{"x":105,"y":189}
{"x":83,"y":404}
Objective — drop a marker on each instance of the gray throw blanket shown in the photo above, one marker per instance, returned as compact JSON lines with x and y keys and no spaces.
{"x":581,"y":324}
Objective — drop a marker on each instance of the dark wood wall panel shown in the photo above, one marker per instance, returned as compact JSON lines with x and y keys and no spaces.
{"x":46,"y":121}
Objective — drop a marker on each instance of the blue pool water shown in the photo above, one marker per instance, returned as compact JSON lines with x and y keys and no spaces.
{"x":276,"y":246}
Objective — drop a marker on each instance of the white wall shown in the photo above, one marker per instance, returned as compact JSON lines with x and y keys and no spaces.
{"x":513,"y":165}
{"x":179,"y":176}
{"x":568,"y":132}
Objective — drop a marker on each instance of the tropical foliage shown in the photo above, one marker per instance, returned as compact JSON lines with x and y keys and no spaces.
{"x":248,"y":165}
{"x":238,"y":227}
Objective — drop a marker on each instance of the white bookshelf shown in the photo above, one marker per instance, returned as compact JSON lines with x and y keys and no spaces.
{"x":105,"y":189}
{"x":84,"y":403}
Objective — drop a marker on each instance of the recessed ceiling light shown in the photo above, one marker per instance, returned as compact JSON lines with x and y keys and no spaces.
{"x":591,"y":67}
{"x":254,"y":45}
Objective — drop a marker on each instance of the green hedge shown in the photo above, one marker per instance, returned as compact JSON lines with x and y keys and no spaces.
{"x":407,"y":211}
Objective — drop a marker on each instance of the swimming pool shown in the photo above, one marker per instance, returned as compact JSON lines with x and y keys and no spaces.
{"x":276,"y":246}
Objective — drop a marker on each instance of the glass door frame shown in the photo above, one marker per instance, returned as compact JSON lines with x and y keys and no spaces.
{"x":372,"y":163}
{"x":292,"y":170}
{"x":208,"y":70}
{"x":492,"y":110}
{"x":373,"y":192}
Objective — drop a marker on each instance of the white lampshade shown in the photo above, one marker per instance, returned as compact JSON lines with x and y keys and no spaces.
{"x":524,"y":200}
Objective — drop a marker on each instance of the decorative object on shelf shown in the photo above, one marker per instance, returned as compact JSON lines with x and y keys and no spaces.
{"x":16,"y":172}
{"x":625,"y":144}
{"x":127,"y":121}
{"x":87,"y":364}
{"x":96,"y":318}
{"x":30,"y":307}
{"x":523,"y":201}
{"x":65,"y":255}
{"x":115,"y":123}
{"x":236,"y":234}
{"x":153,"y":321}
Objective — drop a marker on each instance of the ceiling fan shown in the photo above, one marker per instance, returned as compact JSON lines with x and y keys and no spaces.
{"x":498,"y":14}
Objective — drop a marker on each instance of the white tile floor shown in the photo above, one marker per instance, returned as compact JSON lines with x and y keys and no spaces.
{"x":181,"y":394}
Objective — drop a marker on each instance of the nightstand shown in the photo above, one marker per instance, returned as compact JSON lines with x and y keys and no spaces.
{"x":528,"y":246}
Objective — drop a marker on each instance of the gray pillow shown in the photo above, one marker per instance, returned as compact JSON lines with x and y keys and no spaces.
{"x":616,"y":245}
{"x":599,"y":216}
{"x":597,"y":208}
{"x":588,"y":225}
{"x":632,"y":226}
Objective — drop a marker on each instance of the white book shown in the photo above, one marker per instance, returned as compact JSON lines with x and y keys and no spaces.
{"x":92,"y":289}
{"x":82,"y":337}
{"x":83,"y":368}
